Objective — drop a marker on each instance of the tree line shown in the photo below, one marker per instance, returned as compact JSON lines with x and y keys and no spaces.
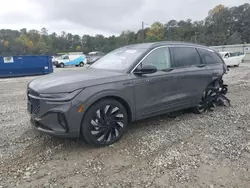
{"x":223,"y":25}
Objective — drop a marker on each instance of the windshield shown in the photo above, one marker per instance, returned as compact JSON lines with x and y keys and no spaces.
{"x":119,"y":59}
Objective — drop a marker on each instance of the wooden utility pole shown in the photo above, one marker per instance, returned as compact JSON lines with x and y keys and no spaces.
{"x":196,"y":37}
{"x":142,"y":31}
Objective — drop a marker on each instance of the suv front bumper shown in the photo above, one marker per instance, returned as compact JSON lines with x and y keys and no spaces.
{"x":55,"y":118}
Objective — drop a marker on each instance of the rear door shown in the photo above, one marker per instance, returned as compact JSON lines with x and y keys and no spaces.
{"x":235,"y":59}
{"x":193,"y":75}
{"x":227,"y":59}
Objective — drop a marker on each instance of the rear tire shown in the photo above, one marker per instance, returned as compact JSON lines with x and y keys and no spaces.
{"x":81,"y":64}
{"x":104,"y":123}
{"x":208,"y":101}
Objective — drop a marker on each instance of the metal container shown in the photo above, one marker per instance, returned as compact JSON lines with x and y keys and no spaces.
{"x":14,"y":66}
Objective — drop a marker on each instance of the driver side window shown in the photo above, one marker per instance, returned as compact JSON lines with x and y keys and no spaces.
{"x":227,"y":55}
{"x":66,"y":57}
{"x":160,"y":58}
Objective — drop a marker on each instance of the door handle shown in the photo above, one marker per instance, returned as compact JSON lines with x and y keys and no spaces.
{"x":202,"y":65}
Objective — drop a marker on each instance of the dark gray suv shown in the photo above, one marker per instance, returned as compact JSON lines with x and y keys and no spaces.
{"x":128,"y":84}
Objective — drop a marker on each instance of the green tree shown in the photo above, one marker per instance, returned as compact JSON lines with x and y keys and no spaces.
{"x":27,"y":44}
{"x":78,"y":48}
{"x":156,"y":32}
{"x":42,"y":48}
{"x":223,"y":25}
{"x":235,"y":38}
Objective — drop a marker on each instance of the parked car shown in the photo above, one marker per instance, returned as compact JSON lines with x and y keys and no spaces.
{"x":130,"y":83}
{"x":94,"y":56}
{"x":232,"y":58}
{"x":70,"y":60}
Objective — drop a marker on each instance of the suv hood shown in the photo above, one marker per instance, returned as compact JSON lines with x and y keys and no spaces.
{"x":68,"y":81}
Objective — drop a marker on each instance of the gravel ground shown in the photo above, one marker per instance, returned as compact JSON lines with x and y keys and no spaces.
{"x":210,"y":150}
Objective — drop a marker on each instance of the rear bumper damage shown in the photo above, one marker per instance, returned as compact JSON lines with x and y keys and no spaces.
{"x":221,"y":90}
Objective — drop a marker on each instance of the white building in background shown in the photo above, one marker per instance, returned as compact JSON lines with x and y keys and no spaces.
{"x":244,"y":48}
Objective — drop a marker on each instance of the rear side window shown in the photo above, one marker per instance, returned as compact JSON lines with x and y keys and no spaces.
{"x":185,"y":56}
{"x":210,"y":56}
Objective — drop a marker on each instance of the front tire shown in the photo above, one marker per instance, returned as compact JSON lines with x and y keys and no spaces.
{"x":104,"y":123}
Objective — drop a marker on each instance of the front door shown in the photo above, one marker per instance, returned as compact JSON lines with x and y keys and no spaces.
{"x":155,"y":93}
{"x":66,"y":60}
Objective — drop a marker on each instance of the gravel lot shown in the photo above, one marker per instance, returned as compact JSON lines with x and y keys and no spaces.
{"x":210,"y":150}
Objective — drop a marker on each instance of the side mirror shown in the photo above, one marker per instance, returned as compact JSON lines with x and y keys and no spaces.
{"x":146,"y":69}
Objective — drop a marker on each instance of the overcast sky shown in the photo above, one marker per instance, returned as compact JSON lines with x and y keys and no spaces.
{"x":105,"y":17}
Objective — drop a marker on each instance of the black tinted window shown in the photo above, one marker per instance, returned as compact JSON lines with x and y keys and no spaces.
{"x":210,"y":56}
{"x":186,"y":56}
{"x":159,"y":58}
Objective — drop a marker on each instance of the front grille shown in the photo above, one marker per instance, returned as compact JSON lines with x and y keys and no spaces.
{"x":34,"y":103}
{"x":33,"y":93}
{"x":35,"y":106}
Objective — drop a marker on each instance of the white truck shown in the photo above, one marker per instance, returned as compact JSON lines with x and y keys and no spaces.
{"x":70,"y":60}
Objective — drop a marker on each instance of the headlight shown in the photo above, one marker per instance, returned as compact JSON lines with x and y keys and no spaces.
{"x":60,"y":97}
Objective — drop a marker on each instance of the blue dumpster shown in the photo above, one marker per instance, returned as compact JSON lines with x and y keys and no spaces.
{"x":25,"y":66}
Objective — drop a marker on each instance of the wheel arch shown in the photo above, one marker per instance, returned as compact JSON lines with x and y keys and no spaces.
{"x":120,"y":99}
{"x":213,"y":82}
{"x":116,"y":97}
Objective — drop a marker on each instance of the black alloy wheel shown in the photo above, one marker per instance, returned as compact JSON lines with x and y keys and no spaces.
{"x":62,"y":65}
{"x":104,"y":123}
{"x":208,"y":101}
{"x":81,"y":64}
